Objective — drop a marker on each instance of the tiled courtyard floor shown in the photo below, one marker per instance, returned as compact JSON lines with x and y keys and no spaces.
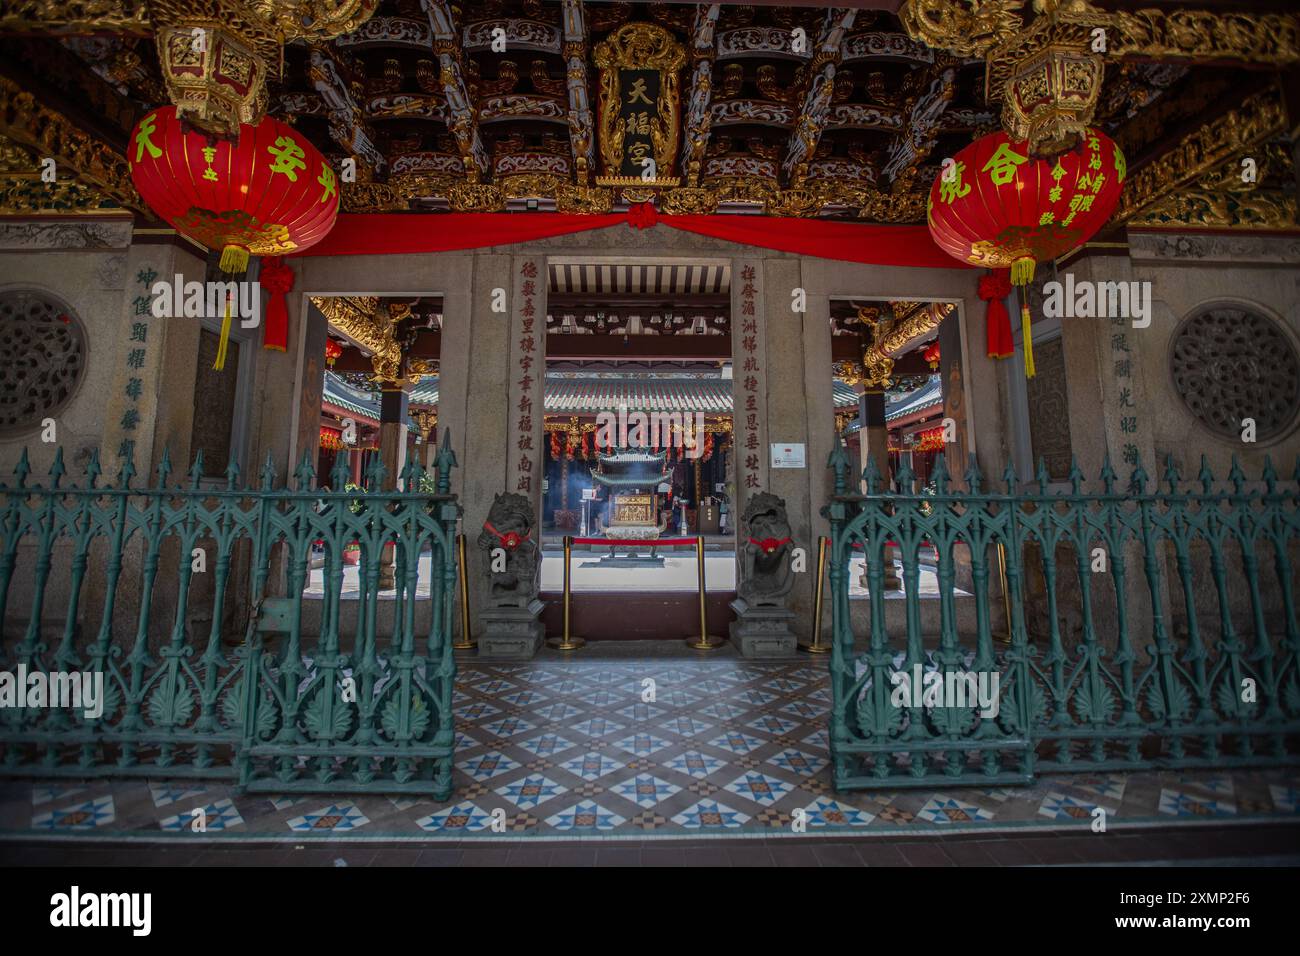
{"x":564,"y":749}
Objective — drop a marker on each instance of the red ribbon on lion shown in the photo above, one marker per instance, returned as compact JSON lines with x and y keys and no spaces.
{"x":769,"y":545}
{"x":510,"y":540}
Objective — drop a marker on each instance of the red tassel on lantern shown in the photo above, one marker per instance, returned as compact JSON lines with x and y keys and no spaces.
{"x":993,"y":288}
{"x":276,"y":278}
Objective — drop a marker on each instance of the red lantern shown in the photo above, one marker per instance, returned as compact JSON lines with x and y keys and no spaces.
{"x":997,"y":206}
{"x":268,"y":194}
{"x":931,"y":356}
{"x":333,"y":350}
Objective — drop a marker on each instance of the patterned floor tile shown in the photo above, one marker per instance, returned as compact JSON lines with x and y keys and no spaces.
{"x":598,"y":727}
{"x":215,"y":818}
{"x":686,"y":726}
{"x":642,"y":744}
{"x":695,"y":764}
{"x":825,"y":812}
{"x":941,"y":809}
{"x":799,"y":761}
{"x":94,"y":813}
{"x":463,"y":817}
{"x":1285,"y":798}
{"x":546,"y":745}
{"x":710,"y":815}
{"x":1060,"y":806}
{"x":337,"y":818}
{"x":592,"y":766}
{"x":609,"y":747}
{"x":1179,"y":804}
{"x":488,"y":765}
{"x":164,"y":794}
{"x":42,"y":794}
{"x":772,"y":724}
{"x":645,"y":790}
{"x":737,"y":743}
{"x":586,"y":815}
{"x":759,"y":787}
{"x":529,"y":792}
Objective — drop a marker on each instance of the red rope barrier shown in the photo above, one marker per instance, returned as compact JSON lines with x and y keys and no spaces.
{"x":652,"y":542}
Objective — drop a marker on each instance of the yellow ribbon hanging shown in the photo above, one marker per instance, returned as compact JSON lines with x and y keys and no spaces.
{"x":234,"y":260}
{"x":1022,"y":273}
{"x":1027,"y":338}
{"x":220,"y":363}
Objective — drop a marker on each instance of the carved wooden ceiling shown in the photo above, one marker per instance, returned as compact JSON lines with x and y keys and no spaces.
{"x":786,"y":109}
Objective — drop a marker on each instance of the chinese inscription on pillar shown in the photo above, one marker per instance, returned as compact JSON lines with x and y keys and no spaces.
{"x":527,"y":380}
{"x":137,"y":350}
{"x":749,"y":370}
{"x":1122,"y":359}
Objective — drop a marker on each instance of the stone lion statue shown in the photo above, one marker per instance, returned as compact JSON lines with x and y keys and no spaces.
{"x":766,"y":554}
{"x":518,"y":564}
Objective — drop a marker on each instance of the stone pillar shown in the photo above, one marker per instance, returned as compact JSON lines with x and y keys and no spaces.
{"x":873,"y":437}
{"x":136,"y":417}
{"x":486,"y":354}
{"x":392,"y":455}
{"x":749,"y":385}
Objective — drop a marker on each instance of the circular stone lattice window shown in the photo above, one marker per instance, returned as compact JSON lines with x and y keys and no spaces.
{"x":1230,"y":364}
{"x":44,"y":346}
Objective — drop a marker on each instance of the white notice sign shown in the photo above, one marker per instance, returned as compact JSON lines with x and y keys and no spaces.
{"x":788,"y":455}
{"x":588,"y":494}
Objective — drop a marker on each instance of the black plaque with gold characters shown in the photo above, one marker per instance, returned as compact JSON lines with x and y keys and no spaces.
{"x":638,"y":107}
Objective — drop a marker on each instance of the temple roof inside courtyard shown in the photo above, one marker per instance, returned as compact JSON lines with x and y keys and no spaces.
{"x":579,"y":396}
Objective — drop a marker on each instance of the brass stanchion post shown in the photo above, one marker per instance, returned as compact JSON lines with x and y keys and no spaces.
{"x":704,"y":641}
{"x":1006,"y":597}
{"x":567,"y":642}
{"x":815,"y":646}
{"x":466,"y":641}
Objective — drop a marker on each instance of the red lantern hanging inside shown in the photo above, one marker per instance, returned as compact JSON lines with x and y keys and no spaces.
{"x":268,"y":194}
{"x":997,"y":206}
{"x":931,"y":356}
{"x":333,"y":349}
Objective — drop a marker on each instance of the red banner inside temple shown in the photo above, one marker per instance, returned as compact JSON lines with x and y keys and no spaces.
{"x":378,"y":234}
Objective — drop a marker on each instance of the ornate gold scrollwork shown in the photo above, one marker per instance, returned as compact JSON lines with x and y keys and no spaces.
{"x":1047,"y":70}
{"x":359,"y":318}
{"x":28,"y":123}
{"x":949,"y":25}
{"x":1226,"y":137}
{"x":583,"y":199}
{"x":688,"y":201}
{"x":476,"y":197}
{"x":215,"y":54}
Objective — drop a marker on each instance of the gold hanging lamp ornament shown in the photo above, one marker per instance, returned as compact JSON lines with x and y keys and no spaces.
{"x":216,"y":54}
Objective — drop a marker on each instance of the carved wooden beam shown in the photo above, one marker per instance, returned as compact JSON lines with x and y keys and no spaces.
{"x":581,"y":121}
{"x":347,"y":123}
{"x":27,"y":122}
{"x":698,"y":118}
{"x":462,"y":117}
{"x":915,"y":142}
{"x":1232,"y":136}
{"x":817,"y":96}
{"x":1047,"y":69}
{"x":76,"y":17}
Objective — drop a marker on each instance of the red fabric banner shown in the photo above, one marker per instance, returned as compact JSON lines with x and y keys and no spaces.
{"x":395,"y":233}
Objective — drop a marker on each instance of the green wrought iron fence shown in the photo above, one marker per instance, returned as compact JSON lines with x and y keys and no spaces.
{"x":279,"y":710}
{"x":1112,"y":687}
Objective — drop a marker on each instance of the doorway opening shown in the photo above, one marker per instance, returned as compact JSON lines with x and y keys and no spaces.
{"x":639,"y":460}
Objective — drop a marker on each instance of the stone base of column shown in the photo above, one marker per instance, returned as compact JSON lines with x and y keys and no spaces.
{"x":511,"y":633}
{"x":892,"y":581}
{"x":762,"y":632}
